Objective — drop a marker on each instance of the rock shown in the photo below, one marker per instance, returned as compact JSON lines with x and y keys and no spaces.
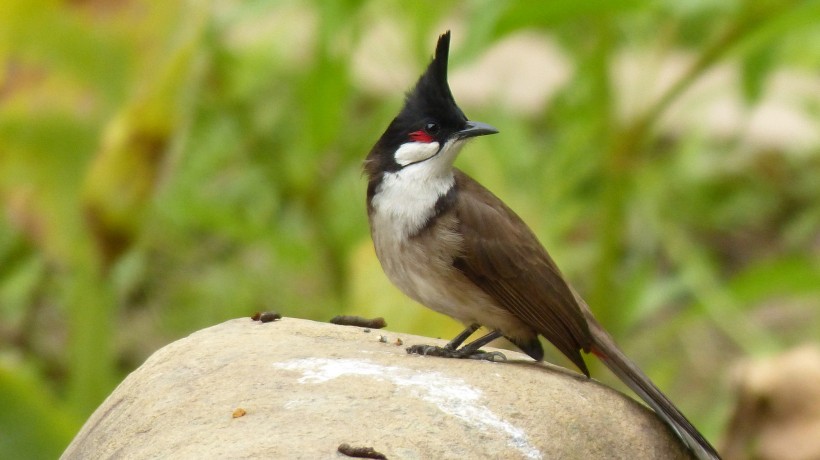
{"x":299,"y":389}
{"x":777,"y":410}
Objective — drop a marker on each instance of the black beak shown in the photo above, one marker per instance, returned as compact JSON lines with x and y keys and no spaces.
{"x":475,"y":128}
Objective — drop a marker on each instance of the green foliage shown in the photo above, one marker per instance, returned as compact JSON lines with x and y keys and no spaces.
{"x":166,"y":166}
{"x":33,"y":424}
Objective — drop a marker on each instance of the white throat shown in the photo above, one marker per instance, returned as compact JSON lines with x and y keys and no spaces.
{"x":405,"y":200}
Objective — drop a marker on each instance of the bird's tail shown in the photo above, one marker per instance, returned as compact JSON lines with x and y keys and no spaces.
{"x":604,"y":347}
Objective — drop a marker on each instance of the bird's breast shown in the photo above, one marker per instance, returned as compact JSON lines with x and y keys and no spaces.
{"x":421,"y":266}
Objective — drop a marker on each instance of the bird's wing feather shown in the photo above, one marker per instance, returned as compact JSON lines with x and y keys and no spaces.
{"x":504,"y":258}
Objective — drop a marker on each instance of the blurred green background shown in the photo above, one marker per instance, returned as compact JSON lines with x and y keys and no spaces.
{"x":166,"y":166}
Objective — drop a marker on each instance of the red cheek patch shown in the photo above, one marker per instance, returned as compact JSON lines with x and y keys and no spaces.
{"x":421,"y":136}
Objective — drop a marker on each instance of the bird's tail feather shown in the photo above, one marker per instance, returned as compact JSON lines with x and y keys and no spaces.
{"x":606,"y":349}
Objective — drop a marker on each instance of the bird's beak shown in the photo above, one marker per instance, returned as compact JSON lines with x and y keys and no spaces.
{"x":475,"y":128}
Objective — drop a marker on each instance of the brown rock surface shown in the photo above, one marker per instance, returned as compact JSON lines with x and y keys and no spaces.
{"x":298,"y":389}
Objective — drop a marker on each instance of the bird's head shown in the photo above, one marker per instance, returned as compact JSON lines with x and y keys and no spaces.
{"x":430,"y":129}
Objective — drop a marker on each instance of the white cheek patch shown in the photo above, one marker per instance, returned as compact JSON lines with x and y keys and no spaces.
{"x":413,"y":152}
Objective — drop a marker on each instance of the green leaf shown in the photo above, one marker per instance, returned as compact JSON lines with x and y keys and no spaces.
{"x":790,"y":275}
{"x":755,"y":69}
{"x":32,"y":423}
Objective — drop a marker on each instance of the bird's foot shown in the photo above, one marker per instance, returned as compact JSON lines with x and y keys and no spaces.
{"x":463,"y":353}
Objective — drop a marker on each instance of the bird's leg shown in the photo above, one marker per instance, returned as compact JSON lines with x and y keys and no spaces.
{"x":447,"y":351}
{"x":461,"y":337}
{"x":471,"y":350}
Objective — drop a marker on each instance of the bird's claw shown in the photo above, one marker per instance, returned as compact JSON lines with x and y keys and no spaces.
{"x":444,"y":352}
{"x":487,"y":355}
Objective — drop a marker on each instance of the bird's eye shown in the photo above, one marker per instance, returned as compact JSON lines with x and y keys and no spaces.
{"x":431,"y":127}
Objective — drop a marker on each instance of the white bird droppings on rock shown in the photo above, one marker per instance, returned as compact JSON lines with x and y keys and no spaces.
{"x":452,"y":396}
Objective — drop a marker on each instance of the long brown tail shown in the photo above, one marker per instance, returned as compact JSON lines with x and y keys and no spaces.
{"x":604,"y":347}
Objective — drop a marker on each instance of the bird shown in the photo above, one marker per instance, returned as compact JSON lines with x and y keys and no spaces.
{"x":450,"y":244}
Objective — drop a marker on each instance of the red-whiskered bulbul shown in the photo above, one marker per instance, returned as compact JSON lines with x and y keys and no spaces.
{"x":450,"y":244}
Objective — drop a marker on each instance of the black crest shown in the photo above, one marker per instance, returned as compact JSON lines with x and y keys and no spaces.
{"x":431,"y":97}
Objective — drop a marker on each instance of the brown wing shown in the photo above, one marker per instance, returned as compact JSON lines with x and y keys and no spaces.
{"x":504,"y":257}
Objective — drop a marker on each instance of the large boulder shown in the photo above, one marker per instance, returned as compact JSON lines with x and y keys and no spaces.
{"x":299,"y":389}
